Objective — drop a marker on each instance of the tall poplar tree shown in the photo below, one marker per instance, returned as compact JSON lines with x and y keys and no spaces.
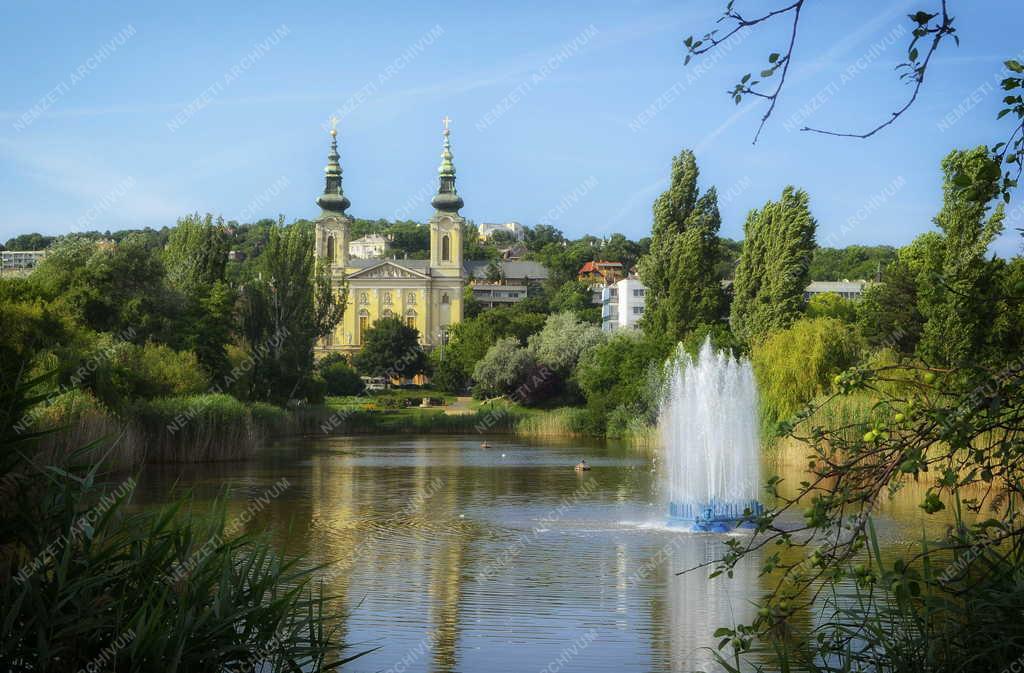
{"x":683,"y":289}
{"x":773,"y":268}
{"x":955,"y":295}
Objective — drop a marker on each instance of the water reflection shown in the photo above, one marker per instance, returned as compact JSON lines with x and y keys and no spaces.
{"x":455,"y":558}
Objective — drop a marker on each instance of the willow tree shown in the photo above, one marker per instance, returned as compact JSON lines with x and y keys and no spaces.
{"x":683,"y":290}
{"x":768,"y":291}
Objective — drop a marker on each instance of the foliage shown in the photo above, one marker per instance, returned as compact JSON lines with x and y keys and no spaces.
{"x":391,"y":348}
{"x":109,"y":288}
{"x":285,"y":311}
{"x":470,"y":339}
{"x":953,"y":299}
{"x":340,"y":377}
{"x":854,"y":262}
{"x":502,"y":369}
{"x":831,"y":305}
{"x":574,"y":296}
{"x":887,"y":313}
{"x":446,"y":373}
{"x":29,"y":242}
{"x":562,"y":341}
{"x":130,"y":372}
{"x":795,"y":365}
{"x":772,"y":273}
{"x":681,"y":271}
{"x":619,"y":378}
{"x":195,"y":258}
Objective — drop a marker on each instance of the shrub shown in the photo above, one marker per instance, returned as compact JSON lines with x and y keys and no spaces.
{"x":131,"y":372}
{"x":341,"y":378}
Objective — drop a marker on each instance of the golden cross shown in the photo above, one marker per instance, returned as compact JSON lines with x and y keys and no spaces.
{"x":334,"y":123}
{"x":447,"y":120}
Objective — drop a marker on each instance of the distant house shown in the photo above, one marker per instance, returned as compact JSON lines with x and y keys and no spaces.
{"x":19,"y":262}
{"x":488,"y":229}
{"x":847,"y":289}
{"x":622,"y":304}
{"x":513,"y":285}
{"x":601,"y":272}
{"x":371,"y":246}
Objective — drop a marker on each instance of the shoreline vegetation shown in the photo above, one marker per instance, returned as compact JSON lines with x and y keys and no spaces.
{"x":219,"y":427}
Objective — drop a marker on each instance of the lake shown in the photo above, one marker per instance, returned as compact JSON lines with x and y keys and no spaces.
{"x":452,"y":557}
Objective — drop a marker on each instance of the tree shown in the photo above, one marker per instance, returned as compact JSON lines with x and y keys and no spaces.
{"x":541,"y":235}
{"x":831,"y":305}
{"x":954,"y":299}
{"x":621,"y":373}
{"x":772,"y":273}
{"x":575,"y":296}
{"x":679,"y":272}
{"x":470,"y":339}
{"x":562,"y":341}
{"x":285,"y":309}
{"x":887,"y":315}
{"x":196,"y":258}
{"x":502,"y":369}
{"x":29,"y":242}
{"x":392,"y":349}
{"x":796,"y":364}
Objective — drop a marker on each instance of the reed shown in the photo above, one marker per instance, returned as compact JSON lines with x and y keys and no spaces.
{"x":560,"y":422}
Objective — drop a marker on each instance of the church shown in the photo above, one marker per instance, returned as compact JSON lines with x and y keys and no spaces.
{"x":424,"y":294}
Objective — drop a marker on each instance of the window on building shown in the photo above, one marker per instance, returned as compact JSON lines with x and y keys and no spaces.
{"x":446,"y":252}
{"x":364,"y":323}
{"x":410,"y":319}
{"x":330,"y":250}
{"x":638,"y":310}
{"x":638,"y":293}
{"x":444,"y":299}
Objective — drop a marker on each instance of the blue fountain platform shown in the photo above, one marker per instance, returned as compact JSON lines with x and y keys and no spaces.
{"x":715,"y":516}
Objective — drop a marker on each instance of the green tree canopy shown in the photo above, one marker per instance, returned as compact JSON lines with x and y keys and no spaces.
{"x":773,"y":270}
{"x":681,"y":270}
{"x":391,"y":348}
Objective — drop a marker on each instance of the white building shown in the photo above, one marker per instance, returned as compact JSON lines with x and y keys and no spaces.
{"x":622,"y":304}
{"x":486,"y":230}
{"x":371,"y":246}
{"x":19,"y":262}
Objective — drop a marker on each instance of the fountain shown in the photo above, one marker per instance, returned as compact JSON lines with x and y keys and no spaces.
{"x":708,"y":426}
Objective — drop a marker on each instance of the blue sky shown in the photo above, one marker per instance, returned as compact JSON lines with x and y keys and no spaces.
{"x":119,"y":115}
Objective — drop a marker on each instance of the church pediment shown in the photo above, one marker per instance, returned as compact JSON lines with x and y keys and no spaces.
{"x":387,"y":270}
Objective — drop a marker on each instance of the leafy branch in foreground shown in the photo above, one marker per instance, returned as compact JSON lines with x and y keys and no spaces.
{"x":961,"y":430}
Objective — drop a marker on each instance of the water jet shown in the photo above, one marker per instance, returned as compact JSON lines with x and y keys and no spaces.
{"x":708,"y":425}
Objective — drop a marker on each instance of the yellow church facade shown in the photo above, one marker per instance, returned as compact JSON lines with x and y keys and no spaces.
{"x":424,"y":294}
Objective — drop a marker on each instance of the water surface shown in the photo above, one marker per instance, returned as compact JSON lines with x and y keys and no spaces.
{"x":453,"y":557}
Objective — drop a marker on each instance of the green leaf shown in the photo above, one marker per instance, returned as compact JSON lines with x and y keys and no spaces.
{"x":773,"y":57}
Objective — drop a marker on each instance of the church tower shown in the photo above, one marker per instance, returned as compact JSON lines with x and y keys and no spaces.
{"x":446,"y":223}
{"x":332,"y":227}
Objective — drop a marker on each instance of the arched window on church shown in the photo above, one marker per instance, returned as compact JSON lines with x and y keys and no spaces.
{"x":330,"y":249}
{"x":444,"y":298}
{"x":446,"y":252}
{"x":410,"y":318}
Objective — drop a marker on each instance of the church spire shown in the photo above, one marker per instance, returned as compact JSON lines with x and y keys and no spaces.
{"x":447,"y":198}
{"x":333,"y":200}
